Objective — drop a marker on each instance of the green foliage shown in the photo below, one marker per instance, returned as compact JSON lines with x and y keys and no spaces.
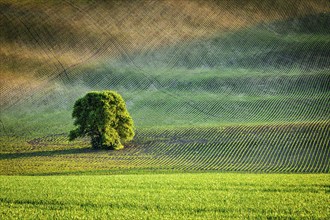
{"x":102,"y":116}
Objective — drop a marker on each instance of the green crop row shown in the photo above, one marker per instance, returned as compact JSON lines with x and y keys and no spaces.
{"x":240,"y":98}
{"x":300,"y":147}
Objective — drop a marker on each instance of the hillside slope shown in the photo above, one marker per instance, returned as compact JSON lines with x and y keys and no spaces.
{"x":301,"y":43}
{"x":48,"y":42}
{"x":245,"y":85}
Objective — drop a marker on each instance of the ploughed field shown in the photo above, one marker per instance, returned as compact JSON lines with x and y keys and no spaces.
{"x":280,"y":148}
{"x":217,"y":120}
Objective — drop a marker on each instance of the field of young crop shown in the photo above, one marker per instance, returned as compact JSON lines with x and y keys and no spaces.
{"x":230,"y":100}
{"x":183,"y":98}
{"x":166,"y":196}
{"x":280,"y":148}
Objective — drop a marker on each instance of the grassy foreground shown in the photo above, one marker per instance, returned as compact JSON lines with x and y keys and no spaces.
{"x":170,"y":196}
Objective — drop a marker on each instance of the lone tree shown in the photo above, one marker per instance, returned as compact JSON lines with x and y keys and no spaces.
{"x":102,"y":116}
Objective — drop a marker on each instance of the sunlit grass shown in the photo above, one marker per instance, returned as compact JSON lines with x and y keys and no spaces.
{"x":159,"y":196}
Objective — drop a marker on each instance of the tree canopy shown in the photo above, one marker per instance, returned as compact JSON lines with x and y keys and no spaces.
{"x":102,"y":116}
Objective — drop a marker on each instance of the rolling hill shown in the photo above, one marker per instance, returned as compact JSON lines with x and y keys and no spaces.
{"x":211,"y":85}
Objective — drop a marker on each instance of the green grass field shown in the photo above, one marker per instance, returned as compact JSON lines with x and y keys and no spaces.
{"x":230,"y":99}
{"x":166,"y":196}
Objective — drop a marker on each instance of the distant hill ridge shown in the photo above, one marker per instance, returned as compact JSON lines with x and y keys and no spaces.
{"x":38,"y":37}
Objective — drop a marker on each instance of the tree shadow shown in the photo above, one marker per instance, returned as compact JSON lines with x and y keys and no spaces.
{"x":48,"y":153}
